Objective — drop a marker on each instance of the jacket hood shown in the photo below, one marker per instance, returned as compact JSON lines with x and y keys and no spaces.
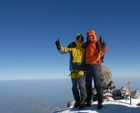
{"x":92,"y":33}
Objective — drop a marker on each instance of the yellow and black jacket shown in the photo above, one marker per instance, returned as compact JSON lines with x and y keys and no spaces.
{"x":77,"y":58}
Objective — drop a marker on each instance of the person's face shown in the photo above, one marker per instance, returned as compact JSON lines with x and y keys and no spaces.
{"x":90,"y":38}
{"x":79,"y":39}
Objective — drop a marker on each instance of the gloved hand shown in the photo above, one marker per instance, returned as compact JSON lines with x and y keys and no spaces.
{"x":58,"y":45}
{"x":101,"y":39}
{"x":57,"y":42}
{"x":102,"y":42}
{"x":98,"y":46}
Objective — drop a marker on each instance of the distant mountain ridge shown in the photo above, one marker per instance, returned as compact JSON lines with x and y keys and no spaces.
{"x":27,"y":105}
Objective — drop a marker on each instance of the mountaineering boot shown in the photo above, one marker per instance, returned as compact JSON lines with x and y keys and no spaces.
{"x":99,"y":106}
{"x":77,"y":104}
{"x":82,"y":105}
{"x":88,"y":104}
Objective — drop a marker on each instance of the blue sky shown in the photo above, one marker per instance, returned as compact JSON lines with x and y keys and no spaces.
{"x":29,"y":28}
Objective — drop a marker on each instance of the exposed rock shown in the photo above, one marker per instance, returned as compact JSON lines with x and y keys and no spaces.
{"x":106,"y":78}
{"x":135,"y":94}
{"x":70,"y":103}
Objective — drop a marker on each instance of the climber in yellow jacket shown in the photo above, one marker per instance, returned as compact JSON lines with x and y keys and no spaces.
{"x":77,"y":76}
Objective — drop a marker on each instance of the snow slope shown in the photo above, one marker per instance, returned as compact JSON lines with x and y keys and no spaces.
{"x":111,"y":106}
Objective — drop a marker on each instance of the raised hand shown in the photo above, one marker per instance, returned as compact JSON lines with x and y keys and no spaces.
{"x":57,"y":43}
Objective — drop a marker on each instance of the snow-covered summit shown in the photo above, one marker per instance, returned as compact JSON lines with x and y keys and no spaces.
{"x":109,"y":106}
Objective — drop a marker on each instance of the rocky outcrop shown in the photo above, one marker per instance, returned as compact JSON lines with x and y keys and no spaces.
{"x":106,"y":76}
{"x":135,"y":94}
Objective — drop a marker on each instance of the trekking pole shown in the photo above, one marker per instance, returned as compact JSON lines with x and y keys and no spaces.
{"x":130,"y":93}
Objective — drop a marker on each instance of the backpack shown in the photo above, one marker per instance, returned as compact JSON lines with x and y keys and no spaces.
{"x":117,"y":94}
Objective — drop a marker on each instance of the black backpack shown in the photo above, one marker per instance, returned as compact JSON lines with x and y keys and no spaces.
{"x":117,"y":94}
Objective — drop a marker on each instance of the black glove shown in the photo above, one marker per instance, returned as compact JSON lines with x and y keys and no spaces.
{"x":102,"y":42}
{"x":57,"y":42}
{"x":58,"y":45}
{"x":98,"y":46}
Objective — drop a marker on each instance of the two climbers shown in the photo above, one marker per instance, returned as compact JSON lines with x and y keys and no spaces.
{"x":85,"y":65}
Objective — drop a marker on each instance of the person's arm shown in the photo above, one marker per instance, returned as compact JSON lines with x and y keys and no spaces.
{"x":97,"y":56}
{"x":62,"y":49}
{"x":65,"y":50}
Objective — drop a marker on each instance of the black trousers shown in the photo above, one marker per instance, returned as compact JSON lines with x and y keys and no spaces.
{"x":93,"y":73}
